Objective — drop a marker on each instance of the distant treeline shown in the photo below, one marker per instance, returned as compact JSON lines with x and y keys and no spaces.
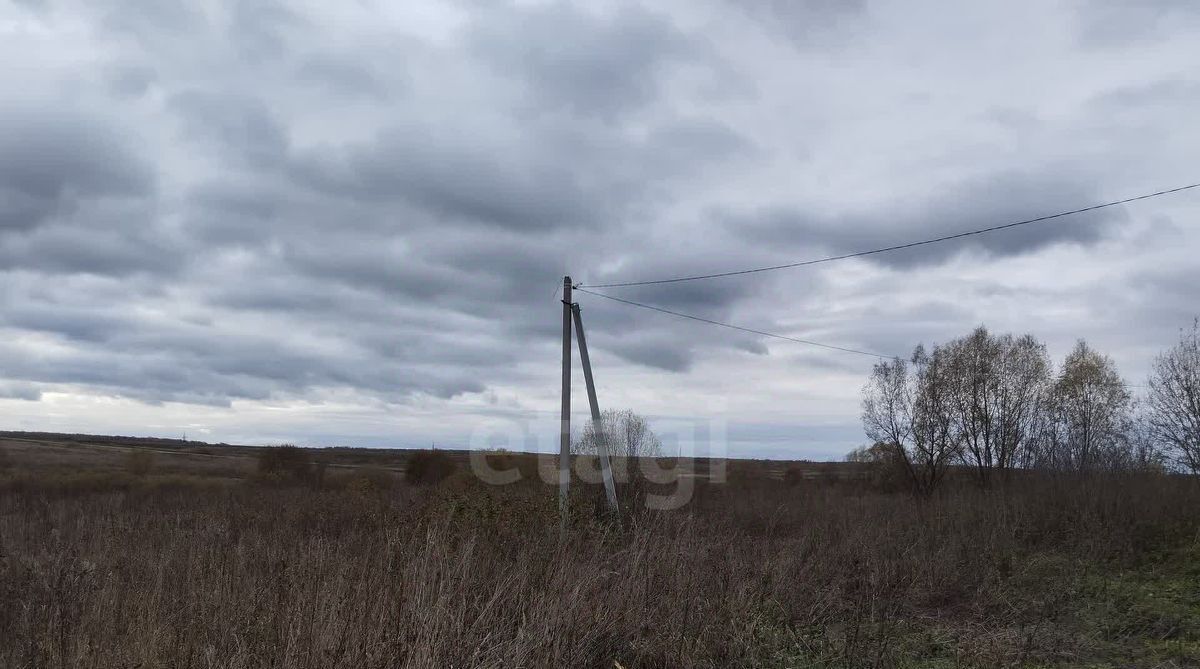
{"x":105,"y":439}
{"x":995,"y":404}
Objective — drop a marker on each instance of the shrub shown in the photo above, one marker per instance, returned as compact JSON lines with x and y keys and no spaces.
{"x":883,"y":466}
{"x":793,"y":476}
{"x":371,"y":480}
{"x":502,"y":460}
{"x":428,"y":467}
{"x":285,"y":464}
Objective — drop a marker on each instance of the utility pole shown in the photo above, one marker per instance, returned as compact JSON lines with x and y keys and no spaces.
{"x":610,"y":488}
{"x":564,"y":442}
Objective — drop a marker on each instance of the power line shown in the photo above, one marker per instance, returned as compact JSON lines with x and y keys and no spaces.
{"x":898,"y":247}
{"x":768,"y":334}
{"x":729,"y":325}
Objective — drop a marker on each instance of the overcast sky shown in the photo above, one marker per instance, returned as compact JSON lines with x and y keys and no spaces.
{"x":344,"y":222}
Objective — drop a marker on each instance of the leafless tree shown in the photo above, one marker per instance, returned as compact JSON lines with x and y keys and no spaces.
{"x":1090,"y":415}
{"x":1174,"y":400}
{"x":627,"y":435}
{"x":1142,"y":452}
{"x":908,"y":407}
{"x":996,"y":387}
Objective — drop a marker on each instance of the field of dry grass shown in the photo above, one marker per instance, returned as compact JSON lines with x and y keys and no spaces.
{"x":195,"y":560}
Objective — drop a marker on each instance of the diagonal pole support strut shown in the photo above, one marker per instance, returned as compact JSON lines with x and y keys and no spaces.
{"x":610,"y":488}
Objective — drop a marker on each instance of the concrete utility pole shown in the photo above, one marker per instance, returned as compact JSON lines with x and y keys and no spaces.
{"x":610,"y":487}
{"x":564,"y":443}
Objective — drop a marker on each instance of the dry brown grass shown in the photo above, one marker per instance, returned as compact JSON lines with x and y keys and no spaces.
{"x":150,"y":572}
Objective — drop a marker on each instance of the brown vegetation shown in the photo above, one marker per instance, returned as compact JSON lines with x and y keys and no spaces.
{"x":428,"y":467}
{"x":757,"y":573}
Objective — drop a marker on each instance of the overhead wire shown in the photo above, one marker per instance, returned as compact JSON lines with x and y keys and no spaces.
{"x":584,"y":288}
{"x":731,"y":326}
{"x":809,"y":342}
{"x":887,"y":249}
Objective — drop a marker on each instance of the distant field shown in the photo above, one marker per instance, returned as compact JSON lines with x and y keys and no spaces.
{"x":153,"y":553}
{"x":46,"y":453}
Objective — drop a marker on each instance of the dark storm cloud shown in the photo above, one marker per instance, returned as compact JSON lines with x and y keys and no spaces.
{"x":542,"y":177}
{"x":55,"y":160}
{"x":960,"y":207}
{"x":459,"y":180}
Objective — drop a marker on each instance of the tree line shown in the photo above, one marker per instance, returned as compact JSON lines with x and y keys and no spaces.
{"x":996,"y":404}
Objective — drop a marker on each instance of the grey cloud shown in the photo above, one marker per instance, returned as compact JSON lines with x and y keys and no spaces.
{"x":33,"y":5}
{"x":1120,"y":23}
{"x":999,"y":199}
{"x":384,"y":210}
{"x":587,"y":64}
{"x":20,"y":391}
{"x":805,"y":23}
{"x":458,"y":180}
{"x":672,"y":356}
{"x":665,"y":341}
{"x":344,"y":74}
{"x":259,"y":28}
{"x":54,"y":160}
{"x":154,"y":23}
{"x":85,"y":326}
{"x":116,"y":238}
{"x":896,"y":329}
{"x":131,"y":80}
{"x":145,"y":359}
{"x":1150,"y":95}
{"x":542,"y":178}
{"x":376,"y":267}
{"x":238,"y":125}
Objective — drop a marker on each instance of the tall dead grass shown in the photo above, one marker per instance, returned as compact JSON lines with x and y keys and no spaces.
{"x":463,"y":574}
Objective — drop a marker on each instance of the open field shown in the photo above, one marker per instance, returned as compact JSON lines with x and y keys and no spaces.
{"x":50,"y":454}
{"x":203,"y":559}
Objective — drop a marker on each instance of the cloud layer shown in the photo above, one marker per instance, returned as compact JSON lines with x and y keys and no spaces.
{"x":229,"y":210}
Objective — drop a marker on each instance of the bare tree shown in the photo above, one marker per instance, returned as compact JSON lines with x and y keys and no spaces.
{"x":996,"y":388}
{"x":1174,"y":400}
{"x":885,"y":465}
{"x":1089,"y":421}
{"x":909,"y":409}
{"x":1142,"y":452}
{"x":627,"y":435}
